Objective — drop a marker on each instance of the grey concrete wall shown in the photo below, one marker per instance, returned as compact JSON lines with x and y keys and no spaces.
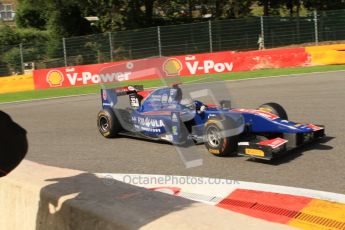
{"x":40,"y":197}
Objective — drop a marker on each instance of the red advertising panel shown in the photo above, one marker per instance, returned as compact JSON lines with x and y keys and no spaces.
{"x":186,"y":65}
{"x":228,"y":61}
{"x":105,"y":73}
{"x":70,"y":76}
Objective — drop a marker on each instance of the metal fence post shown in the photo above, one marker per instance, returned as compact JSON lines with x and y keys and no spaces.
{"x":159,"y":41}
{"x":210,"y":35}
{"x":262,"y":28}
{"x":111,"y":47}
{"x":64,"y":50}
{"x":21,"y":57}
{"x":316,"y":28}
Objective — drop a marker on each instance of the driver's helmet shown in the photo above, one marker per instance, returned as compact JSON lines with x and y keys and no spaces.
{"x":188,"y":103}
{"x":188,"y":109}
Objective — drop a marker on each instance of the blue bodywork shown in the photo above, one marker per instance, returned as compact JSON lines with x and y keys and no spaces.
{"x":161,"y":114}
{"x":258,"y":123}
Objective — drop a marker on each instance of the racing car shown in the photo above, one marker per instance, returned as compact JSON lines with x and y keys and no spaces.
{"x":163,"y":114}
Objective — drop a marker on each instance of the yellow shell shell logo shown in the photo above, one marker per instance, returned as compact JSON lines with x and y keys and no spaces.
{"x":55,"y":78}
{"x":172,"y":66}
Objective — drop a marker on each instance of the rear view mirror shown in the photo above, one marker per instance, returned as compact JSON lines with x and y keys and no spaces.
{"x":225,"y":104}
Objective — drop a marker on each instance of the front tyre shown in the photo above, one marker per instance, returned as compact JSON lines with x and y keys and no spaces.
{"x":216,"y":143}
{"x":274,"y":108}
{"x":108,"y":124}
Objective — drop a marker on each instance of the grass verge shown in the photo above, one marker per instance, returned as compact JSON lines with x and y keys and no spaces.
{"x":58,"y":92}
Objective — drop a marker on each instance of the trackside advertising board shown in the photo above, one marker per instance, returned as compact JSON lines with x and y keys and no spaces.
{"x":185,"y":65}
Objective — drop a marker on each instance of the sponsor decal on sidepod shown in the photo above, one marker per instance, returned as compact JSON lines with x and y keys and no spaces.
{"x":148,"y":124}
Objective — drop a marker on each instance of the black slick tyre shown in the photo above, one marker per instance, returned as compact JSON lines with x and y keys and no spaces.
{"x":215,"y":141}
{"x":107,"y":123}
{"x":275,"y":109}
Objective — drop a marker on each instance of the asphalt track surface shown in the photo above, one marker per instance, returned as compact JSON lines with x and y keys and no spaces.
{"x":62,"y":132}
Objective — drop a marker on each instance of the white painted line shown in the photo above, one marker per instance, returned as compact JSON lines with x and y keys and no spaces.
{"x":212,"y":190}
{"x":187,"y":83}
{"x":48,"y":98}
{"x":278,"y":76}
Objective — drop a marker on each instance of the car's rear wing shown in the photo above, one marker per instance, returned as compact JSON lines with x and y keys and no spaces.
{"x":109,"y":96}
{"x":126,"y":90}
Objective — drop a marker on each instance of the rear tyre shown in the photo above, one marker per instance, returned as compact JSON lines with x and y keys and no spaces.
{"x":275,"y":109}
{"x":216,"y":143}
{"x":108,"y":124}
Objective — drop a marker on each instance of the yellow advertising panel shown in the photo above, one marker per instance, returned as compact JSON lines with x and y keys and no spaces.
{"x":16,"y":83}
{"x":327,"y":54}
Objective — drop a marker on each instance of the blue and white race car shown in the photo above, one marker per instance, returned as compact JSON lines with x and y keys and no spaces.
{"x":164,"y":115}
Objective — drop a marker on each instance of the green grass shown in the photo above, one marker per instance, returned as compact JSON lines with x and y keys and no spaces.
{"x":10,"y":97}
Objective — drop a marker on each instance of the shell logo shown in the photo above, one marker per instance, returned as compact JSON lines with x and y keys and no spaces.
{"x":172,"y":67}
{"x":55,"y":78}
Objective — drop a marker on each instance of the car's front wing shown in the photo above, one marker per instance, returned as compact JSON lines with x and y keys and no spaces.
{"x":269,"y":149}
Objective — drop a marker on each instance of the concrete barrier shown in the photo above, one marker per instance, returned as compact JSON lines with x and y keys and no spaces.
{"x":35,"y":196}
